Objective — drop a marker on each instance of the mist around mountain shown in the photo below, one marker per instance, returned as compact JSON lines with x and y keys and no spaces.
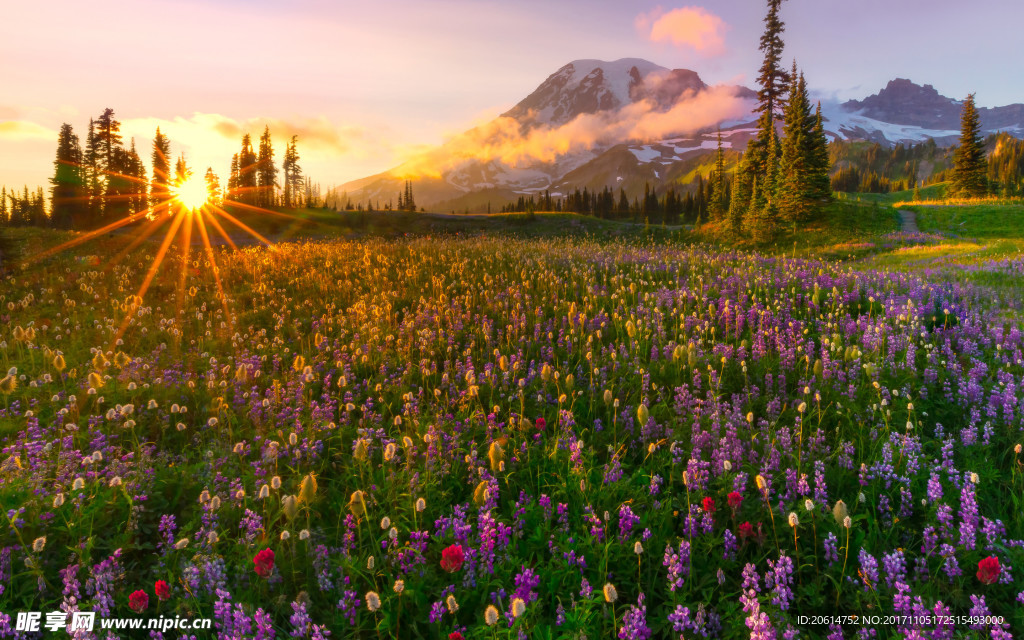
{"x":630,"y":123}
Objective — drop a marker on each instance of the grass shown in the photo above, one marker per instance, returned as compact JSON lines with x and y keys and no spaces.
{"x":845,"y":230}
{"x":994,"y":220}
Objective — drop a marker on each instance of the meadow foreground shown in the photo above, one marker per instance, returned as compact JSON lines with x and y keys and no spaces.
{"x":496,"y":437}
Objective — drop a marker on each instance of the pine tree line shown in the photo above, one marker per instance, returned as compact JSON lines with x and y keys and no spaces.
{"x":105,"y":180}
{"x":406,"y":199}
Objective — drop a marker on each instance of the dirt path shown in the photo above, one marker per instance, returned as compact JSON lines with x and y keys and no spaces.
{"x":908,"y":221}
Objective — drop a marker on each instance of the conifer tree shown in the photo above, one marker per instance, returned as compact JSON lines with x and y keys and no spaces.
{"x":93,"y":178}
{"x":267,"y":172}
{"x":212,"y":186}
{"x":292,"y":174}
{"x":820,"y":187}
{"x":795,"y":199}
{"x":112,"y":160}
{"x":247,"y":186}
{"x":161,"y":159}
{"x":68,"y":192}
{"x":970,"y":179}
{"x":772,"y":80}
{"x":763,"y":215}
{"x":718,"y":206}
{"x":740,"y":198}
{"x":233,"y":179}
{"x":138,"y":187}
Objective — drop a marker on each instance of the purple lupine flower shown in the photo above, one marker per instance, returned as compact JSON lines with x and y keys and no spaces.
{"x":300,"y":620}
{"x":950,"y":564}
{"x":934,"y":488}
{"x":780,"y":580}
{"x":627,"y":520}
{"x":349,"y":604}
{"x":730,"y":545}
{"x":968,"y":517}
{"x":869,"y":569}
{"x":634,"y":622}
{"x":526,"y":581}
{"x":831,"y":545}
{"x":678,"y":563}
{"x":264,"y":625}
{"x":895,"y":566}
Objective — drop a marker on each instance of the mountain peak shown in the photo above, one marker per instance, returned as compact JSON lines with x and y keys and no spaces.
{"x":586,"y":86}
{"x":905,"y":102}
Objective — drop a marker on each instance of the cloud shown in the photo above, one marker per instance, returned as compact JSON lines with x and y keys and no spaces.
{"x":317,"y":134}
{"x":503,"y":139}
{"x":25,"y":130}
{"x":693,"y":28}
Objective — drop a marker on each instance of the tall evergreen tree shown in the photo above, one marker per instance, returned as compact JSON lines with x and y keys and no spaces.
{"x":772,"y":84}
{"x":232,"y":193}
{"x":795,"y":200}
{"x":718,"y":205}
{"x":739,"y":201}
{"x":111,"y":155}
{"x":161,"y":160}
{"x":93,"y":177}
{"x":970,"y":173}
{"x":247,"y":185}
{"x":212,"y":186}
{"x":292,"y":174}
{"x":763,"y":215}
{"x":820,"y":188}
{"x":68,"y":204}
{"x":139,"y":187}
{"x":267,"y":172}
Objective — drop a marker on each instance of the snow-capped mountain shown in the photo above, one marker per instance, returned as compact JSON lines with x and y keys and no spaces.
{"x":590,"y":86}
{"x":582,"y":111}
{"x":628,"y":122}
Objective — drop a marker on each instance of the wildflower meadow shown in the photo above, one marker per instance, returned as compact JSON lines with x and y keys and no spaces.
{"x":504,"y":437}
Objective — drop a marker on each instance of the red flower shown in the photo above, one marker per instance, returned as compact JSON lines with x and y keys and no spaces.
{"x":138,"y":601}
{"x":264,"y":561}
{"x":540,"y":424}
{"x":708,"y":504}
{"x":735,"y":500}
{"x":746,"y":530}
{"x":988,"y":570}
{"x":452,"y":558}
{"x":162,"y":589}
{"x":455,"y":635}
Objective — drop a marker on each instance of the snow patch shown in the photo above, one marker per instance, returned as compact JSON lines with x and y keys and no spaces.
{"x":645,"y":154}
{"x":841,"y":123}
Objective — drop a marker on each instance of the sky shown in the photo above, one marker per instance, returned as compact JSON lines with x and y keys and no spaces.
{"x":368,"y":85}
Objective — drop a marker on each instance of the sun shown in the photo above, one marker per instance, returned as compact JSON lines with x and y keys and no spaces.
{"x":192,"y":193}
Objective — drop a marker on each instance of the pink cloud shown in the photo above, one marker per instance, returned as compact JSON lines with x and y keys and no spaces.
{"x":689,"y":27}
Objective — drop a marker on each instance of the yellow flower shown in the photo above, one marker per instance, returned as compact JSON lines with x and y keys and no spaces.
{"x":372,"y":601}
{"x":840,"y":512}
{"x":491,"y":615}
{"x":643,"y":415}
{"x":357,"y":503}
{"x":518,"y":607}
{"x":610,"y":594}
{"x":307,"y":490}
{"x":496,"y":455}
